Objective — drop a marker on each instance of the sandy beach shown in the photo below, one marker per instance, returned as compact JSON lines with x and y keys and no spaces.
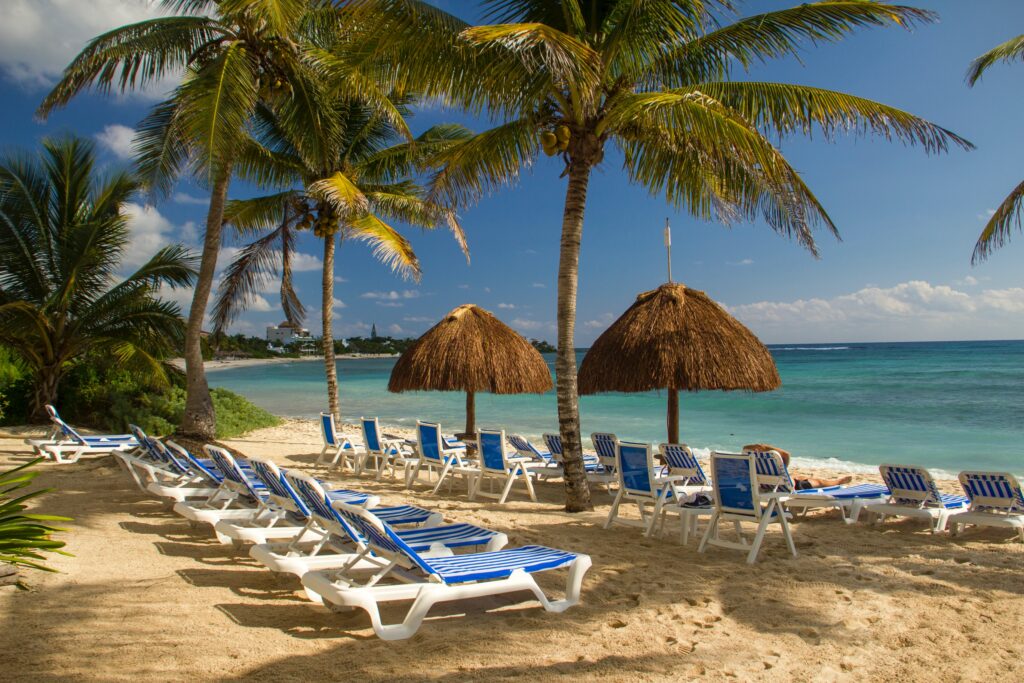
{"x":146,"y":595}
{"x":226,"y":364}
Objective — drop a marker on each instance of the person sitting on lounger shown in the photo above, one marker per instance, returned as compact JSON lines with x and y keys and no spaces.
{"x":799,"y":483}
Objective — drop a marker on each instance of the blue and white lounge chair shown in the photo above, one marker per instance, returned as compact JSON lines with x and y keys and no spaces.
{"x":848,"y":499}
{"x":495,"y":463}
{"x":384,"y":452}
{"x":605,"y":444}
{"x":738,"y":499}
{"x":913,"y":493}
{"x":433,"y":453}
{"x":159,"y":472}
{"x":996,"y":500}
{"x":313,"y":547}
{"x":681,"y":463}
{"x":634,"y":464}
{"x":686,"y":478}
{"x":430,"y":580}
{"x":543,"y":465}
{"x":66,"y":444}
{"x":337,"y":449}
{"x":596,"y":472}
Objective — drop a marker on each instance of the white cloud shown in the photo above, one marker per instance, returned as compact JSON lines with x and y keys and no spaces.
{"x":305,"y":262}
{"x":463,"y":286}
{"x":185,"y":198}
{"x":602,"y":321}
{"x":913,"y":310}
{"x":390,"y":304}
{"x":969,"y":281}
{"x":392,"y":295}
{"x":741,"y":262}
{"x":395,"y":328}
{"x":38,"y":38}
{"x":150,"y":231}
{"x":507,"y":306}
{"x":190,"y":232}
{"x":986,"y":214}
{"x":417,"y":319}
{"x":531,"y":325}
{"x":338,"y":304}
{"x":538,"y":285}
{"x":258,"y":304}
{"x":120,"y":140}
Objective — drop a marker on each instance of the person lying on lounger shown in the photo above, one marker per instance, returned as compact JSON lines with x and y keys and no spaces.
{"x":799,"y":483}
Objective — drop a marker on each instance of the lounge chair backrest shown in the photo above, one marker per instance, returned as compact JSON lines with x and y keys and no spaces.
{"x":320,"y":505}
{"x":380,"y":537}
{"x":68,"y":430}
{"x":736,"y":483}
{"x":604,"y":444}
{"x":234,"y":477}
{"x":554,"y":444}
{"x":525,"y":447}
{"x":52,"y":412}
{"x":371,"y":434}
{"x":179,"y":464}
{"x":771,"y":470}
{"x":328,"y":430}
{"x":911,"y":485}
{"x":428,"y":437}
{"x":635,"y":462}
{"x":194,"y":463}
{"x":137,"y":432}
{"x":682,"y":463}
{"x":278,"y":489}
{"x":492,"y":451}
{"x":993,"y":492}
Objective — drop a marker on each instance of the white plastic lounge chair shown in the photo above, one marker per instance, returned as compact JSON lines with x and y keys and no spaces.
{"x":605,"y":444}
{"x":314,"y":547}
{"x":495,"y":464}
{"x":848,"y":499}
{"x":159,"y":472}
{"x":686,"y":477}
{"x":66,"y":444}
{"x":540,"y":462}
{"x":384,"y":452}
{"x":738,"y":498}
{"x":996,"y":500}
{"x":681,"y":463}
{"x":433,"y":453}
{"x":913,"y":493}
{"x":427,"y":580}
{"x":596,"y":472}
{"x":337,"y":449}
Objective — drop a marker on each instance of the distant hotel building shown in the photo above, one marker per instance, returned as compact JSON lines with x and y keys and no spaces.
{"x":287,"y":333}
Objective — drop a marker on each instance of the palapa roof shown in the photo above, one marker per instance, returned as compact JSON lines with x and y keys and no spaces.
{"x":471,"y":350}
{"x":673,"y":337}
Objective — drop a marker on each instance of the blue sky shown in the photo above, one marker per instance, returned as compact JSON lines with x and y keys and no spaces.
{"x":908,"y":220}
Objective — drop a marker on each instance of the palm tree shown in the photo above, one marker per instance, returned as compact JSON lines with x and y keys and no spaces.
{"x":233,"y":53}
{"x":62,"y":237}
{"x":1011,"y":212}
{"x":655,"y":79}
{"x":348,"y":177}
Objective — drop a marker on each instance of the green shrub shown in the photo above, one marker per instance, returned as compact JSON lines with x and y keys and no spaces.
{"x":237,"y":414}
{"x":23,"y":537}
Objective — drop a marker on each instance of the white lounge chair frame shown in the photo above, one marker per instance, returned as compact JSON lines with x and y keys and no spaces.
{"x":996,"y":500}
{"x":495,"y":464}
{"x":913,"y":493}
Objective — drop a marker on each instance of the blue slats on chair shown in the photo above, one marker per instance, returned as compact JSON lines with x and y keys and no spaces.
{"x":679,"y":457}
{"x":526,"y":446}
{"x":842,"y":492}
{"x":732,"y":483}
{"x":430,"y":441}
{"x":498,"y":564}
{"x":635,"y":464}
{"x":492,"y":451}
{"x":370,"y":434}
{"x":327,"y":426}
{"x":1001,"y":491}
{"x":604,"y":444}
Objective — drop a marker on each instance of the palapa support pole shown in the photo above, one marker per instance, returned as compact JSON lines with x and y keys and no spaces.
{"x":673,"y":416}
{"x":470,"y":413}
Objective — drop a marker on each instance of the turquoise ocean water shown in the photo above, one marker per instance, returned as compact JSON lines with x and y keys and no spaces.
{"x":945,"y":405}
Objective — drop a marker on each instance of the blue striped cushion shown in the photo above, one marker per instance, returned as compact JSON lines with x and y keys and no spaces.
{"x":952,"y":500}
{"x":499,"y":564}
{"x":402,"y":514}
{"x":451,"y":535}
{"x":847,"y":492}
{"x":348,"y":496}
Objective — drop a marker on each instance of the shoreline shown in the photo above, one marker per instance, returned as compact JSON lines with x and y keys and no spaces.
{"x":228,"y":364}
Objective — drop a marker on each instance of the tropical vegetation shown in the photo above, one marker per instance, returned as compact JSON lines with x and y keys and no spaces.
{"x":350,"y":178}
{"x":63,"y":236}
{"x":24,"y":537}
{"x":653,"y":79}
{"x":1010,"y":213}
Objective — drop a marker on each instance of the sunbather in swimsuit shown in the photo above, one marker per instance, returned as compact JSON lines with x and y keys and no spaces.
{"x":799,"y":483}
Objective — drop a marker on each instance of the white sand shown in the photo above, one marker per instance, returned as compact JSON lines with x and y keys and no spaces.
{"x":147,"y":596}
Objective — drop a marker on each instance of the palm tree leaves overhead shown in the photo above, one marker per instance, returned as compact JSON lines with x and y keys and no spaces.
{"x":62,"y":235}
{"x":996,"y":233}
{"x":1010,"y":51}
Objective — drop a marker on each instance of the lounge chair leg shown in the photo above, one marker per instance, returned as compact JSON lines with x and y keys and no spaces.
{"x":441,"y":478}
{"x":508,"y":487}
{"x":712,"y":529}
{"x":759,"y":536}
{"x":615,"y":509}
{"x":529,"y":484}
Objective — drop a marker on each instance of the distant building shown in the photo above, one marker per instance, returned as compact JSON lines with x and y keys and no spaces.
{"x":373,"y":331}
{"x":287,"y":333}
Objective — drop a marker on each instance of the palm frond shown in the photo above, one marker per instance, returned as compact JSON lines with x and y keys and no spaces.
{"x":341,"y":192}
{"x":1008,"y":216}
{"x":1011,"y":50}
{"x":244,"y":277}
{"x":388,"y":245}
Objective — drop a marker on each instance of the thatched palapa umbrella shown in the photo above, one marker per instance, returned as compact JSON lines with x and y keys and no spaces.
{"x":470,"y":350}
{"x":677,"y":338}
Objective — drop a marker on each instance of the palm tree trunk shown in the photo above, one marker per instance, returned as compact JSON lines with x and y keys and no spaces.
{"x":47,"y":382}
{"x":326,"y":318}
{"x":200,"y":420}
{"x":577,"y":491}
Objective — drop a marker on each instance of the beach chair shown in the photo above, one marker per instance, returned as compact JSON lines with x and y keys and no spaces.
{"x":66,"y":445}
{"x":434,"y":453}
{"x":850,"y":499}
{"x":495,"y":464}
{"x":738,"y":498}
{"x":313,"y":547}
{"x":385,"y":452}
{"x":159,"y":472}
{"x":680,"y":462}
{"x":913,"y":493}
{"x":541,"y":462}
{"x":337,"y":450}
{"x":686,"y":477}
{"x":596,"y":472}
{"x":426,"y":581}
{"x":605,"y":444}
{"x":996,"y":500}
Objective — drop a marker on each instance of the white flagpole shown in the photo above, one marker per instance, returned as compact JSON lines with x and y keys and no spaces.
{"x":668,"y":248}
